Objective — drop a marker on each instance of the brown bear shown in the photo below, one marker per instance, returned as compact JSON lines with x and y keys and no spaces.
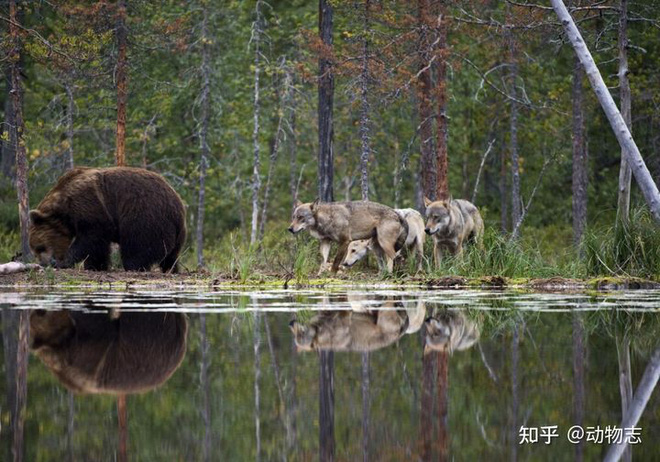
{"x":95,"y":353}
{"x":90,"y":208}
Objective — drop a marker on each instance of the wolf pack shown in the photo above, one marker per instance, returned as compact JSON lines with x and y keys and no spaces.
{"x":361,"y":227}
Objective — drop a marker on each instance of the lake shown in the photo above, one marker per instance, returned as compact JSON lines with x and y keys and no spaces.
{"x":363,"y":374}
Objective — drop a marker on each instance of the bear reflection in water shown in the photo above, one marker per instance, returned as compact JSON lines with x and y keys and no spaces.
{"x":99,"y":353}
{"x":359,"y":329}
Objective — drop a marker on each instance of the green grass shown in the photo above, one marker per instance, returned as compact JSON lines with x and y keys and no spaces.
{"x":632,"y":251}
{"x":624,"y":250}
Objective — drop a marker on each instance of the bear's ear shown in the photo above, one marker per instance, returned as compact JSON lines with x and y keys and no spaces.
{"x":315,"y":204}
{"x":427,"y":201}
{"x":37,"y":217}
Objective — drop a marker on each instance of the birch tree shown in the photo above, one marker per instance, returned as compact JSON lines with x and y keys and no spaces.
{"x":580,"y":166}
{"x":625,"y":174}
{"x":204,"y":105}
{"x":326,"y":90}
{"x":516,"y":211}
{"x":618,"y":124}
{"x":256,"y":161}
{"x":364,"y":107}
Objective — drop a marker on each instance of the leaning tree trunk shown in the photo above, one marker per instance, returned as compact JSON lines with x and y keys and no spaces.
{"x":516,"y":209}
{"x":205,"y":103}
{"x":256,"y":166}
{"x":618,"y":124}
{"x":625,"y":174}
{"x":18,"y":128}
{"x":442,"y":134}
{"x":326,"y":90}
{"x":580,"y":168}
{"x":640,"y":399}
{"x":122,"y":83}
{"x":424,"y":102}
{"x":364,"y":108}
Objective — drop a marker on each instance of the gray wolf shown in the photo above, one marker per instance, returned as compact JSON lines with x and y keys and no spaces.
{"x":414,"y":241}
{"x":450,"y":331}
{"x":452,"y":223}
{"x":360,"y":329}
{"x":343,"y":222}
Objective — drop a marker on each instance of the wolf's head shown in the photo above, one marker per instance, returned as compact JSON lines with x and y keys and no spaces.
{"x":437,"y":216}
{"x":304,"y":216}
{"x":304,"y":336}
{"x":453,"y":332}
{"x":356,"y":251}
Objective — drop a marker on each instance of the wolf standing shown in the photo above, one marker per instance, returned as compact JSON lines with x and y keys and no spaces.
{"x":342,"y":222}
{"x":451,"y":223}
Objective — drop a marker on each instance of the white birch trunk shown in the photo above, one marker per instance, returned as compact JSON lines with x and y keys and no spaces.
{"x":256,"y":178}
{"x":625,"y":175}
{"x":628,"y":146}
{"x":203,"y":135}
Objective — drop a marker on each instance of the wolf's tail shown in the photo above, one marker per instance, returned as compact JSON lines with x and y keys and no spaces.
{"x":403,"y":234}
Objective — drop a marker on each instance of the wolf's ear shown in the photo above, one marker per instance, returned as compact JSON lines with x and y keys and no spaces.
{"x":297,"y":204}
{"x":37,"y":217}
{"x":315,"y":204}
{"x":427,"y":201}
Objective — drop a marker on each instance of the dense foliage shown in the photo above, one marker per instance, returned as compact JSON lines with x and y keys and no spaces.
{"x":70,"y":52}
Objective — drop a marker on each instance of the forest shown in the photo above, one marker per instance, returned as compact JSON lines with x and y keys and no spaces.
{"x":247,"y":107}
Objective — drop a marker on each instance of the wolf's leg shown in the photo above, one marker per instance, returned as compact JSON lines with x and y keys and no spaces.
{"x":325,"y":253}
{"x":341,"y":254}
{"x":419,"y":247}
{"x":459,"y":248}
{"x":389,"y":255}
{"x":437,"y":252}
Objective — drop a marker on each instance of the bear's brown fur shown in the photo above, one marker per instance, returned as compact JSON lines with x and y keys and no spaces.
{"x":90,"y":208}
{"x":94,"y":353}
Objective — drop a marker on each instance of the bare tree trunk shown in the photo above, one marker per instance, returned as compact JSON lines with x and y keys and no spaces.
{"x":70,"y":108}
{"x":625,"y":381}
{"x":122,"y":424}
{"x":513,"y":129}
{"x":625,"y":101}
{"x":443,"y":405}
{"x":15,"y":336}
{"x":618,"y":124}
{"x":205,"y":103}
{"x":428,"y":160}
{"x":442,"y":135}
{"x":18,"y":128}
{"x":365,"y":406}
{"x":206,"y":389}
{"x":426,"y":408}
{"x":515,"y":353}
{"x":9,"y":144}
{"x":580,"y":167}
{"x":326,"y":90}
{"x":293,"y":158}
{"x":122,"y":83}
{"x":70,"y":427}
{"x":275,"y":148}
{"x":326,"y":406}
{"x":364,"y":108}
{"x":504,"y":198}
{"x":579,"y":354}
{"x":257,"y":379}
{"x":640,"y":399}
{"x":256,"y":177}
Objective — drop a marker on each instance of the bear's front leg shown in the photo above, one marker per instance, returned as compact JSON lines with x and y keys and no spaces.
{"x":92,"y":250}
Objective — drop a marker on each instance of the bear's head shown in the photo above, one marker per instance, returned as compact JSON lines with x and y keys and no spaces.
{"x":49,"y":237}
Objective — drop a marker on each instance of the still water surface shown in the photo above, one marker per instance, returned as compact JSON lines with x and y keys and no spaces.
{"x":377,"y":374}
